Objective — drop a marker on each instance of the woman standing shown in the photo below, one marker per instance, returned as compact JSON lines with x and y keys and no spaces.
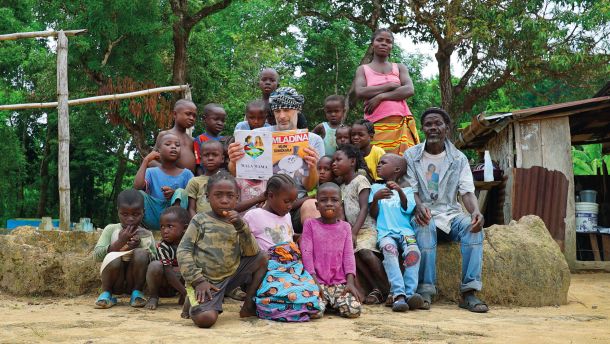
{"x":384,"y":86}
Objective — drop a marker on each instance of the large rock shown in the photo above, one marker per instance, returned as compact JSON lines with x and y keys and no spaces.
{"x":522,"y":266}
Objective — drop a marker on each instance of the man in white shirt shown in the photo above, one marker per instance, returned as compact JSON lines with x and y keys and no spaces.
{"x":437,"y":172}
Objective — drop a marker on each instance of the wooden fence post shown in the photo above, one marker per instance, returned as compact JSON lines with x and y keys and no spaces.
{"x":63,"y":123}
{"x":189,"y":96}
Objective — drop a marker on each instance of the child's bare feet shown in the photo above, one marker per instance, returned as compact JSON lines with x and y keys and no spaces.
{"x":185,"y":315}
{"x":247,"y":310}
{"x":153,"y":303}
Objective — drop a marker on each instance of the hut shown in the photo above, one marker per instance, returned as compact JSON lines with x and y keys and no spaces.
{"x":533,"y":147}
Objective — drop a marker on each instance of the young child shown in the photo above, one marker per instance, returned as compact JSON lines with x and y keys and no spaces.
{"x":288,"y":293}
{"x":256,"y":116}
{"x":334,"y":110}
{"x":125,"y":273}
{"x":184,"y":113}
{"x":343,"y":135}
{"x":309,"y":209}
{"x":162,"y":186}
{"x":268,"y":83}
{"x":361,"y":136}
{"x":355,"y":191}
{"x":212,"y":159}
{"x":163,"y":276}
{"x":328,"y":254}
{"x":214,"y":117}
{"x":393,"y":207}
{"x":218,"y":253}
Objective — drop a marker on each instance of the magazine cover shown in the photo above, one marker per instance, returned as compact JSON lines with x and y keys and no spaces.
{"x":288,"y":152}
{"x":258,"y":162}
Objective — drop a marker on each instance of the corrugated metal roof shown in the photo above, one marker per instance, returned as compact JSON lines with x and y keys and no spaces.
{"x":589,"y":122}
{"x":541,"y":192}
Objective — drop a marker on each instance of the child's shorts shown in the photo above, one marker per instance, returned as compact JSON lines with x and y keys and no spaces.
{"x":243,"y":274}
{"x":366,"y":240}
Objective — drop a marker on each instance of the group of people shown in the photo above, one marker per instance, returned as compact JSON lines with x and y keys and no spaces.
{"x":360,"y":227}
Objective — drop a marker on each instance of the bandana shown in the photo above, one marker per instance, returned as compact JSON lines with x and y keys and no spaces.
{"x":286,"y":98}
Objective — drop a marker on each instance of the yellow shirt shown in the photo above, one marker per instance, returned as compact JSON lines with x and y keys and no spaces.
{"x":373,"y":159}
{"x":196,"y":190}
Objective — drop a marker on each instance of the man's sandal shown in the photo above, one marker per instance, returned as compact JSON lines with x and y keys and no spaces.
{"x":427,"y":301}
{"x":137,"y":299}
{"x":105,"y":300}
{"x":473,"y":304}
{"x":374,"y":297}
{"x":416,"y":301}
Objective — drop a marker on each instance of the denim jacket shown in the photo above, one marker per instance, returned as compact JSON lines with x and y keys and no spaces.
{"x":446,"y":206}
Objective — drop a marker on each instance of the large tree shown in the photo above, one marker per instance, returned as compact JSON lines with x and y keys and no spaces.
{"x":497,"y":41}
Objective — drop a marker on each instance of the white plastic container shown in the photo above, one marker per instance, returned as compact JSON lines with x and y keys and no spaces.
{"x":488,"y":168}
{"x":586,"y":217}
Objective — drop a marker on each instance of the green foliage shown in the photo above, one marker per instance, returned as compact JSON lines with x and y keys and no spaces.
{"x":589,"y":160}
{"x":12,"y":168}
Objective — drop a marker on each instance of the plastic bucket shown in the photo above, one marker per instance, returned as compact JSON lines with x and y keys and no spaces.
{"x":586,"y":217}
{"x":588,"y":196}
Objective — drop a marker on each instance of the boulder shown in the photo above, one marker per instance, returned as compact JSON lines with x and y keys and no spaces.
{"x":522,"y":266}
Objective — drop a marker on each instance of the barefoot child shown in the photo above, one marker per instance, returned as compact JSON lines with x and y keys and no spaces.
{"x":328,"y":254}
{"x":127,"y":273}
{"x":212,"y":158}
{"x":162,"y":186}
{"x":218,"y":252}
{"x":393,"y":207}
{"x":214,"y":117}
{"x":288,"y":293}
{"x":334,"y":110}
{"x":343,"y":135}
{"x":184,"y":113}
{"x":355,"y":192}
{"x":256,"y":116}
{"x":163,"y":276}
{"x":361,"y":136}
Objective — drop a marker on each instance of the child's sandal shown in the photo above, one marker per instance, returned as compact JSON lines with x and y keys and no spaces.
{"x":374,"y":297}
{"x":137,"y":299}
{"x":105,"y":300}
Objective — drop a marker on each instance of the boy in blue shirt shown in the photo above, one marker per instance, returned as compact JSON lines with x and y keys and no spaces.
{"x":393,"y":207}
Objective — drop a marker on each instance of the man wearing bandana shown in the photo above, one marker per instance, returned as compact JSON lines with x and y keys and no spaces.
{"x":286,"y":103}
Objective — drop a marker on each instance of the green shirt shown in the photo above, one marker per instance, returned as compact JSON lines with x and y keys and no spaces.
{"x":110,"y":234}
{"x":211,"y":249}
{"x":196,"y":190}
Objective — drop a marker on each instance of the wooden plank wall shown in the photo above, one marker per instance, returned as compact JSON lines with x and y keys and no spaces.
{"x":547,"y":143}
{"x":501,"y":149}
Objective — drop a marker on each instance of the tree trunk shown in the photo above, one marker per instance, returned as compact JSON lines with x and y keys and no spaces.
{"x":180,"y":38}
{"x":443,"y":59}
{"x":44,"y":174}
{"x":63,"y":163}
{"x":117,"y":185}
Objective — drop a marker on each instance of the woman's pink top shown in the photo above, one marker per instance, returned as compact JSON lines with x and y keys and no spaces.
{"x":386,"y":108}
{"x":328,"y":251}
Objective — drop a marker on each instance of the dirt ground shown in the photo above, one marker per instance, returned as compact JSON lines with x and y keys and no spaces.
{"x":584,"y":320}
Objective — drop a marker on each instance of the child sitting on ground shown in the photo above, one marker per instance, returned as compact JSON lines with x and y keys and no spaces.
{"x":212,"y":159}
{"x":214,"y":117}
{"x":361,"y":135}
{"x":185,"y":114}
{"x":256,"y":116}
{"x":163,"y":276}
{"x":328,"y":254}
{"x":355,"y":192}
{"x":218,"y":252}
{"x":125,"y":272}
{"x":162,"y":186}
{"x":343,"y":135}
{"x":334,"y":110}
{"x":288,"y":293}
{"x":393,"y":207}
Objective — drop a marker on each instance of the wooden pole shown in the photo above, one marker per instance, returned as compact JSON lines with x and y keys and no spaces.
{"x":63,"y":123}
{"x":189,"y":96}
{"x":96,"y":99}
{"x":35,"y":34}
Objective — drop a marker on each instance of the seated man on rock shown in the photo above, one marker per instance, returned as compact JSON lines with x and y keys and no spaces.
{"x":437,"y":172}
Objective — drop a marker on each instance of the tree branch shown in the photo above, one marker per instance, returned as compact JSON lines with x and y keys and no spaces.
{"x":474,"y":63}
{"x":189,"y":22}
{"x":111,"y":45}
{"x":477,"y":93}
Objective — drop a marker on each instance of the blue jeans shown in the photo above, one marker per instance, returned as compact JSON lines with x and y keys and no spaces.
{"x":400,"y":283}
{"x":153,"y":207}
{"x":471,"y":245}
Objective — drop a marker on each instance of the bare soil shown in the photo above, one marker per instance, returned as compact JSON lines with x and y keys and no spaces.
{"x":583,"y":320}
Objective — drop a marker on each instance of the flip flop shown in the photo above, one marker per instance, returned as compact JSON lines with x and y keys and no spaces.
{"x":237,"y":294}
{"x":400,"y":305}
{"x":389,"y":301}
{"x":473,"y":304}
{"x":416,"y":301}
{"x":137,"y":299}
{"x":374,"y":297}
{"x":427,"y":301}
{"x":105,"y":300}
